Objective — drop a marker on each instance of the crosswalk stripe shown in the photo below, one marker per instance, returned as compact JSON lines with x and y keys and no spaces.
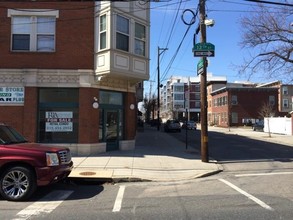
{"x":264,"y":174}
{"x":45,"y":205}
{"x":119,"y":198}
{"x":253,"y":198}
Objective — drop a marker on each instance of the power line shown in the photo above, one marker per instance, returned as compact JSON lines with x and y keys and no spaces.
{"x":175,"y":55}
{"x":269,"y":2}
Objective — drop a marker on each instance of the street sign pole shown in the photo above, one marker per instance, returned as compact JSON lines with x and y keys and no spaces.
{"x":203,"y":89}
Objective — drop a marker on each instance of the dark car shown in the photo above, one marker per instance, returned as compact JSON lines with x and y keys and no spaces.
{"x":258,"y":126}
{"x":172,"y":125}
{"x":25,"y":166}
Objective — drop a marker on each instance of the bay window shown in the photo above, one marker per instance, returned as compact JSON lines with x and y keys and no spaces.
{"x":139,"y":47}
{"x":103,"y":35}
{"x":122,"y":33}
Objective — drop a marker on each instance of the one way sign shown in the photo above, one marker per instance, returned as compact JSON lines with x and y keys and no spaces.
{"x":204,"y":53}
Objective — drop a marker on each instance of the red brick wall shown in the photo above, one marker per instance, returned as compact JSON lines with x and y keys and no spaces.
{"x":130,"y":116}
{"x":30,"y":113}
{"x":12,"y":115}
{"x":74,"y":37}
{"x":88,"y":116}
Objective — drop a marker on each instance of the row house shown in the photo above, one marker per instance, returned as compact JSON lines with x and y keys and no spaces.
{"x":70,"y":71}
{"x":285,"y":95}
{"x":240,"y":104}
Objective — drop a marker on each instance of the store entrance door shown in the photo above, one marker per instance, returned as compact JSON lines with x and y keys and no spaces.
{"x":112,"y":121}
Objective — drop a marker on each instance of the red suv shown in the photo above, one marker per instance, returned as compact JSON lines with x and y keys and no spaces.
{"x":24,"y":166}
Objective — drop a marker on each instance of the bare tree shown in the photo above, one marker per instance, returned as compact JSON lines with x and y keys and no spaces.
{"x":266,"y":111}
{"x":150,"y":105}
{"x":268,"y":36}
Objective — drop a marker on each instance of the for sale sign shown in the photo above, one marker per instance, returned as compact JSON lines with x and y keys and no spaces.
{"x":59,"y":121}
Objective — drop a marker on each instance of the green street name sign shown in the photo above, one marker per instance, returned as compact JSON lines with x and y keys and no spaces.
{"x":200,"y":64}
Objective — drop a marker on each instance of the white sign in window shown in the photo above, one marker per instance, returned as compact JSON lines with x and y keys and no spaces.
{"x":11,"y":95}
{"x":59,"y":121}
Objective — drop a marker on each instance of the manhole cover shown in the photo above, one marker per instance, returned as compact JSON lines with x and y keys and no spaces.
{"x":87,"y":173}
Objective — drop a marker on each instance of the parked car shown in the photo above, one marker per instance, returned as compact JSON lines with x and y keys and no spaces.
{"x":190,"y":125}
{"x":258,"y":126}
{"x":172,"y":125}
{"x":25,"y":166}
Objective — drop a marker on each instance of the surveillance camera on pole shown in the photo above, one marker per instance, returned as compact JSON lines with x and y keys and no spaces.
{"x":209,"y":22}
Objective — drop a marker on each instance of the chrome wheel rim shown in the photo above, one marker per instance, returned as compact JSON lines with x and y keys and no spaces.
{"x":15,"y":184}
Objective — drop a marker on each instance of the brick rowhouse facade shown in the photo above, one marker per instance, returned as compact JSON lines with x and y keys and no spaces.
{"x":63,"y":82}
{"x":240,"y":106}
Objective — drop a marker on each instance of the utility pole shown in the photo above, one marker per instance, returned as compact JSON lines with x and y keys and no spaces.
{"x":160,"y":51}
{"x":203,"y":88}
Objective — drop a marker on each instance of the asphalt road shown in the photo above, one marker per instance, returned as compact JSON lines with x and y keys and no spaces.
{"x":227,"y":198}
{"x":256,"y":184}
{"x":236,"y":152}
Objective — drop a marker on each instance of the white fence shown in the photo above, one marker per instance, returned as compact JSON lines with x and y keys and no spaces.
{"x":278,"y":125}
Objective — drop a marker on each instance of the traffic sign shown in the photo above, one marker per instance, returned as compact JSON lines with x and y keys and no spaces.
{"x":204,"y":50}
{"x":204,"y":53}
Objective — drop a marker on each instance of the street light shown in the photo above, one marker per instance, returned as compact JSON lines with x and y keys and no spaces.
{"x":160,"y":51}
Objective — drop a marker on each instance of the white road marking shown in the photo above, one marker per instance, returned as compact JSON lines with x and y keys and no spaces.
{"x":119,"y":198}
{"x":45,"y":205}
{"x":264,"y":174}
{"x":256,"y":200}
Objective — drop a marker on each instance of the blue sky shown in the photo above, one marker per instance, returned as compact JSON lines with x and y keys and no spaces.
{"x":225,"y":35}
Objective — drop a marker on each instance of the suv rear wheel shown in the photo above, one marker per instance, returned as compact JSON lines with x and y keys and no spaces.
{"x":17,"y":183}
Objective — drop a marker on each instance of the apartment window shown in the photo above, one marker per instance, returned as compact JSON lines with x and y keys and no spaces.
{"x":197,"y":104}
{"x":139,"y":47}
{"x":272,"y":100}
{"x":225,"y":100}
{"x":178,"y":88}
{"x":103,"y":35}
{"x":285,"y":90}
{"x":234,"y":100}
{"x":285,"y":103}
{"x":234,"y":117}
{"x":178,"y":97}
{"x":33,"y":33}
{"x":197,"y":96}
{"x":122,"y":33}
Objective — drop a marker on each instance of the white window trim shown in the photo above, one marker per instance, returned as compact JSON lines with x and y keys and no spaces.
{"x":33,"y":12}
{"x":140,"y":39}
{"x":285,"y":90}
{"x":103,"y":31}
{"x":122,"y":33}
{"x":285,"y":103}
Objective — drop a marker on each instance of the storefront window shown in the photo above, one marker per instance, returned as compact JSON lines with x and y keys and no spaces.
{"x":58,"y":116}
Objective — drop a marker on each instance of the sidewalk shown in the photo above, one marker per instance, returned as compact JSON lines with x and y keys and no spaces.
{"x":157,"y":157}
{"x":257,"y":135}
